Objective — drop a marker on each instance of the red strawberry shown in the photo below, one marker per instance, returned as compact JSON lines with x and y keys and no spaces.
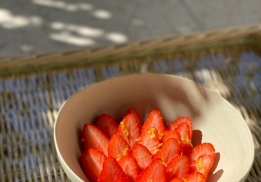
{"x":155,"y":120}
{"x":154,"y":172}
{"x":178,"y":167}
{"x":150,"y":139}
{"x":94,"y":138}
{"x":171,"y":134}
{"x":129,"y":128}
{"x":183,"y":130}
{"x":130,"y":167}
{"x":174,"y":124}
{"x":195,"y":177}
{"x":201,"y":150}
{"x":107,"y":125}
{"x":170,"y":149}
{"x":177,"y":180}
{"x":118,"y":147}
{"x":111,"y":171}
{"x":92,"y":162}
{"x":135,"y":112}
{"x":125,"y":179}
{"x":142,"y":155}
{"x":202,"y":165}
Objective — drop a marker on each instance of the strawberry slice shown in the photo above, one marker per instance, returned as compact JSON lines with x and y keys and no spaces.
{"x":202,"y":150}
{"x":170,"y":149}
{"x":111,"y":171}
{"x":92,"y":162}
{"x":94,"y":138}
{"x":202,"y":165}
{"x":155,"y":120}
{"x":171,"y":134}
{"x":118,"y":147}
{"x":177,"y":180}
{"x":178,"y":167}
{"x":135,"y":112}
{"x":107,"y":125}
{"x":123,"y":179}
{"x":195,"y":177}
{"x":174,"y":124}
{"x":150,"y":139}
{"x":154,"y":172}
{"x":183,"y":130}
{"x":129,"y":128}
{"x":142,"y":155}
{"x":130,"y":167}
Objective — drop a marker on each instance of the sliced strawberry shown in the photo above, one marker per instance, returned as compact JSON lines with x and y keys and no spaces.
{"x":154,"y":172}
{"x":111,"y":171}
{"x":107,"y":125}
{"x":92,"y":162}
{"x":150,"y":139}
{"x":174,"y":124}
{"x":177,"y":180}
{"x":183,"y":130}
{"x":201,"y":150}
{"x":118,"y":147}
{"x":170,"y":149}
{"x":135,"y":112}
{"x":130,"y":167}
{"x":171,"y":134}
{"x":129,"y":128}
{"x":195,"y":177}
{"x":94,"y":138}
{"x":155,"y":120}
{"x":125,"y":179}
{"x":142,"y":155}
{"x":202,"y":165}
{"x":178,"y":167}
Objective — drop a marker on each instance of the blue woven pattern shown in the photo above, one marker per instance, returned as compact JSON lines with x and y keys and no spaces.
{"x":29,"y":104}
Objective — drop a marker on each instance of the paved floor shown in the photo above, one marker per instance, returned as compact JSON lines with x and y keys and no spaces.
{"x":37,"y":26}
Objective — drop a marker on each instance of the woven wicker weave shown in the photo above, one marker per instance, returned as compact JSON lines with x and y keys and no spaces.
{"x":32,"y":89}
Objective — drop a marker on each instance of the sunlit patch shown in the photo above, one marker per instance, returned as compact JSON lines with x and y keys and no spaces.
{"x":50,"y":3}
{"x":116,"y":37}
{"x":81,"y":30}
{"x":66,"y":37}
{"x":26,"y":48}
{"x":5,"y":15}
{"x":57,"y":25}
{"x":16,"y":22}
{"x":71,"y":7}
{"x":85,"y":6}
{"x":88,"y":31}
{"x":63,"y":5}
{"x":10,"y":21}
{"x":102,"y":14}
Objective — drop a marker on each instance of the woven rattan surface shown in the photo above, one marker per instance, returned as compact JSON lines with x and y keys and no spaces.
{"x":33,"y":89}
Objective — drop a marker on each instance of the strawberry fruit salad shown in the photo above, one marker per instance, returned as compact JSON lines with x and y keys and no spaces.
{"x":144,"y":152}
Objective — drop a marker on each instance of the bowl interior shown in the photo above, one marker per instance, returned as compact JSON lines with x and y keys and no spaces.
{"x":214,"y":119}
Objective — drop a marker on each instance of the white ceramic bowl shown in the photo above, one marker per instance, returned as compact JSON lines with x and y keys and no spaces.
{"x":214,"y":119}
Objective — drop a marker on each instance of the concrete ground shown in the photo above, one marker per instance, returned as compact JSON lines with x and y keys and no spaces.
{"x":37,"y":26}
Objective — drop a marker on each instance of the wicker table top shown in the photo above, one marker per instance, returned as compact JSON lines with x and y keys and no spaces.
{"x":33,"y":89}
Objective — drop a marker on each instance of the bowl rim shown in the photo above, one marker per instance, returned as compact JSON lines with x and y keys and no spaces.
{"x":62,"y":161}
